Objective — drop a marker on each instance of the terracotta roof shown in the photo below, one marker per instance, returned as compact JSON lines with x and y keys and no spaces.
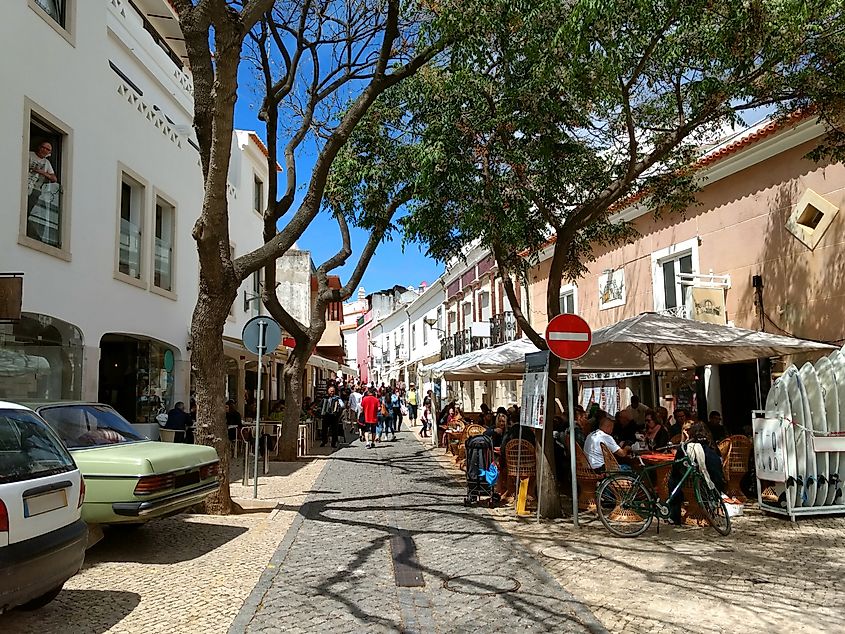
{"x":255,"y":139}
{"x":714,"y":156}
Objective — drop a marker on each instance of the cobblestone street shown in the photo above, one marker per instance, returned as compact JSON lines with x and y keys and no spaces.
{"x":335,"y":571}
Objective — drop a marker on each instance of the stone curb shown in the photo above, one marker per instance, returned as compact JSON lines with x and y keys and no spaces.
{"x":253,"y":601}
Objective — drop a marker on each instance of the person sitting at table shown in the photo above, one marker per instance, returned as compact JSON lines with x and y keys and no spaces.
{"x":625,"y":428}
{"x":681,"y":418}
{"x":233,"y":419}
{"x":179,"y":420}
{"x":716,"y":427}
{"x":602,"y":436}
{"x":656,"y":435}
{"x":444,"y":419}
{"x":497,"y":431}
{"x":695,"y":433}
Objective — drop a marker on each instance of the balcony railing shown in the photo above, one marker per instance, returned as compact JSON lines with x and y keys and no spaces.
{"x":503,"y":328}
{"x":678,"y":311}
{"x":461,"y":343}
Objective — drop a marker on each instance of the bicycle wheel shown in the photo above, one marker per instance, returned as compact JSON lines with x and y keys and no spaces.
{"x":624,"y":505}
{"x":713,"y":505}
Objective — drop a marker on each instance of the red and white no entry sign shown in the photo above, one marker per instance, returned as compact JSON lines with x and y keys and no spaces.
{"x":569,"y":337}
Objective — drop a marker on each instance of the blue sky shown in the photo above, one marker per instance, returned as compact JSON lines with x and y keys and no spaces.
{"x":391,"y":264}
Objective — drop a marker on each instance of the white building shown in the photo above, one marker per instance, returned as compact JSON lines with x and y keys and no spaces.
{"x":408,"y":337}
{"x":353,"y":315}
{"x":96,"y":93}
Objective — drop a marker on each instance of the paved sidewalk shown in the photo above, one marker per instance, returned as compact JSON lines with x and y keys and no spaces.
{"x":334,"y":571}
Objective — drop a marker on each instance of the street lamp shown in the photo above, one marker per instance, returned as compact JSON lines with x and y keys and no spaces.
{"x":430,"y":321}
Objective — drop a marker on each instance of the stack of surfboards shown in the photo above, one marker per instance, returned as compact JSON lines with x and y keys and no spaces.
{"x":813,"y":399}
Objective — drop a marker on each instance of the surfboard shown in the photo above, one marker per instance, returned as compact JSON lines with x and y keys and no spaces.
{"x":837,"y":358}
{"x":806,"y":424}
{"x":796,"y":405}
{"x":818,"y":423}
{"x":830,"y":392}
{"x":777,"y":404}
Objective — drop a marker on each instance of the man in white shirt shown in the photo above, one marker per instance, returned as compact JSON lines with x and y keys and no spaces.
{"x":594,"y":441}
{"x":636,"y":412}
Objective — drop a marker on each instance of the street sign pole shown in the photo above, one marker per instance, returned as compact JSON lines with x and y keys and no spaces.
{"x":262,"y":343}
{"x":571,"y":408}
{"x":542,"y":460}
{"x":569,"y":337}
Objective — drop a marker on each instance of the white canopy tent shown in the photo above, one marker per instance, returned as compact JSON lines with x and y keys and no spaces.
{"x":647,"y":341}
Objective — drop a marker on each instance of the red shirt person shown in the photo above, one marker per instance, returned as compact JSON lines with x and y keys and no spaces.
{"x":370,"y":407}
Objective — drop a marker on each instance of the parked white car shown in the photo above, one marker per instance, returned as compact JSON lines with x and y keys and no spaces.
{"x":42,"y":538}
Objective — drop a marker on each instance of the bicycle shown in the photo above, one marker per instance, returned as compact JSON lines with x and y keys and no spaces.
{"x":627,"y":503}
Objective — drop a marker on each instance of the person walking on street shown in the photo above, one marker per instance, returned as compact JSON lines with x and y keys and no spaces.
{"x":369,"y":413}
{"x":387,"y":421}
{"x":330,"y":412}
{"x":412,"y":406}
{"x":353,"y":408}
{"x":396,"y":407}
{"x":426,"y":418}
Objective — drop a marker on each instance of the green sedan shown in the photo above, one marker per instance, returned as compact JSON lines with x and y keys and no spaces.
{"x":130,"y":479}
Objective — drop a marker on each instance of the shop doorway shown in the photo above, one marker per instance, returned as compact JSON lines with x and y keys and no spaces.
{"x":739,"y":394}
{"x":136,"y":376}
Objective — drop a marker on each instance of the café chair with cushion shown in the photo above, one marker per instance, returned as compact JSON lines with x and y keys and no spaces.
{"x":736,"y":464}
{"x":167,"y":435}
{"x":587,"y":480}
{"x":474,"y":430}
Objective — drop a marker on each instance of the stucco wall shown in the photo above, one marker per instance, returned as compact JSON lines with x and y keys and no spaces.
{"x":740,"y":230}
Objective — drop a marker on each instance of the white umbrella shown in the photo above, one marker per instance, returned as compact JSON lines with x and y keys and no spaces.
{"x":505,"y":362}
{"x":663,"y":342}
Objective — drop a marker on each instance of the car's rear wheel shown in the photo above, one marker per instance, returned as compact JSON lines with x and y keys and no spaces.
{"x":40,"y":602}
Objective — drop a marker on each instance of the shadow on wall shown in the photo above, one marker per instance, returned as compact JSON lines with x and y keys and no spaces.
{"x":803,"y":289}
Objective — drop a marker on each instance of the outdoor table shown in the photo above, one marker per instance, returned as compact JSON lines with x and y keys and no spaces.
{"x":273,"y":429}
{"x":452,"y":435}
{"x":663,"y":461}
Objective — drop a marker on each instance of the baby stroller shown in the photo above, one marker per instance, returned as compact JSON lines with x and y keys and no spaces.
{"x":482,"y":472}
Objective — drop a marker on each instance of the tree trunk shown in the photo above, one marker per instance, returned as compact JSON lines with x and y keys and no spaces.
{"x":293,"y":406}
{"x":548,"y":496}
{"x":209,"y":363}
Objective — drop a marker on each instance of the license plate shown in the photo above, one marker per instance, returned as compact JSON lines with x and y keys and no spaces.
{"x":44,"y":503}
{"x":186,"y":479}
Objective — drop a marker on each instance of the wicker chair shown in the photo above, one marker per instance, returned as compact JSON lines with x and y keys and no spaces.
{"x":474,"y":430}
{"x":456,"y":438}
{"x":521,"y":460}
{"x":736,"y":464}
{"x":611,"y":464}
{"x":587,"y":480}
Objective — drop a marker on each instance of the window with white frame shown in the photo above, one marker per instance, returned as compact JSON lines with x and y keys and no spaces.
{"x":131,"y":226}
{"x":413,"y":336}
{"x":668,"y":265}
{"x":44,"y":199}
{"x":400,"y":343}
{"x":425,"y":329}
{"x":568,"y":302}
{"x":165,"y":224}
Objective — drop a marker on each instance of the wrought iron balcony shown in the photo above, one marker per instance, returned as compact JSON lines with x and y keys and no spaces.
{"x":461,"y":343}
{"x":503,"y":328}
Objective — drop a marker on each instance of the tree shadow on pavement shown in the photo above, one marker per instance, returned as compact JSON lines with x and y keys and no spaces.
{"x":91,"y":611}
{"x":165,"y":541}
